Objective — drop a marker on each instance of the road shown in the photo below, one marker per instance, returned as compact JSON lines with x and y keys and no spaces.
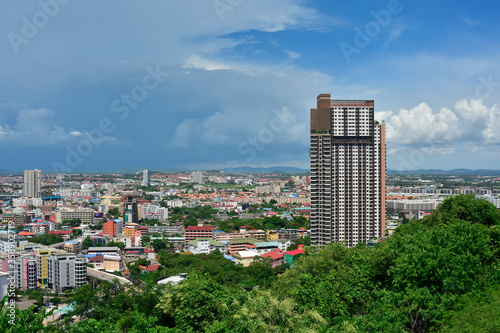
{"x":106,"y":276}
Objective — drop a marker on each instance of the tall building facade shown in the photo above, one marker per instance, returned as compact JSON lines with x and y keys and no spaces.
{"x":348,"y":167}
{"x":197,"y":177}
{"x":146,"y":180}
{"x":129,"y":209}
{"x":23,"y":269}
{"x":66,"y":271}
{"x":32,"y":183}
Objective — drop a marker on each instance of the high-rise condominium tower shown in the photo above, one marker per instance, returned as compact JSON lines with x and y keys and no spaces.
{"x":197,"y":177}
{"x":32,"y":185}
{"x":347,"y":172}
{"x":146,"y":181}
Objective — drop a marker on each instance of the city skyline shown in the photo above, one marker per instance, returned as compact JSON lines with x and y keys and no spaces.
{"x":229,"y":84}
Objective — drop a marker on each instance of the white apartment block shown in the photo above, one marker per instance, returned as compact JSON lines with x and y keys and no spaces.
{"x":17,"y":202}
{"x":32,"y":183}
{"x":161,"y":213}
{"x":146,"y":180}
{"x":267,"y":189}
{"x":66,"y":271}
{"x":395,"y":206}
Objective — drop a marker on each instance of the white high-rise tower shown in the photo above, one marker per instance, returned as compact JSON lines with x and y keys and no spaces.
{"x":32,"y":183}
{"x":146,"y":181}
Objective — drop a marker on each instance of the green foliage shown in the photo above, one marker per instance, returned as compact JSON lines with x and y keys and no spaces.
{"x":158,"y":245}
{"x":113,"y":213}
{"x":72,"y":223}
{"x":87,"y":242}
{"x":190,"y":221}
{"x":47,"y":239}
{"x":36,"y":295}
{"x":98,"y":226}
{"x":264,"y":312}
{"x":271,"y":222}
{"x":465,"y":207}
{"x":121,"y":245}
{"x":196,"y":303}
{"x":13,"y":320}
{"x":410,"y":282}
{"x":218,"y":268}
{"x":306,"y":241}
{"x":475,"y":312}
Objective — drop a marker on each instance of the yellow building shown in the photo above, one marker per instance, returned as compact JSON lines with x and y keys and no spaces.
{"x":130,"y":230}
{"x":41,"y":256}
{"x":245,"y":258}
{"x":272,"y":235}
{"x":111,"y":263}
{"x":109,"y":200}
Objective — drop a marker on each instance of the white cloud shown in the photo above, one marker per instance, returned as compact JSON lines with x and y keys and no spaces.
{"x":471,"y":122}
{"x":292,"y":55}
{"x":421,"y":125}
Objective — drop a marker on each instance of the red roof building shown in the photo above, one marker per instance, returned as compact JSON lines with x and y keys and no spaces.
{"x":26,"y":234}
{"x":150,"y":268}
{"x":194,"y":232}
{"x":276,"y":258}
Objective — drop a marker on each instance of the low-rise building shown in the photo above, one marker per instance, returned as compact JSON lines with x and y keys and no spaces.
{"x":205,"y":245}
{"x":194,"y":232}
{"x":173,"y":280}
{"x":245,"y":258}
{"x":276,"y":257}
{"x":96,"y":260}
{"x":236,"y":245}
{"x":265,"y":247}
{"x":111,"y":250}
{"x":112,"y":263}
{"x":283,"y":244}
{"x":72,"y":247}
{"x":86,"y":215}
{"x":166,"y":229}
{"x":291,"y":256}
{"x":65,"y":234}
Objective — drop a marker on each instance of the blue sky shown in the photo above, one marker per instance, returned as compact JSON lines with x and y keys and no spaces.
{"x":164,"y":85}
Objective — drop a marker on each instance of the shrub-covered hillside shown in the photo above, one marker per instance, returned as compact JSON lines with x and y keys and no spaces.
{"x":437,"y":275}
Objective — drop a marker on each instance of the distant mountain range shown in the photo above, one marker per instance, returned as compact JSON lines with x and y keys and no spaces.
{"x":294,"y":170}
{"x":270,"y":170}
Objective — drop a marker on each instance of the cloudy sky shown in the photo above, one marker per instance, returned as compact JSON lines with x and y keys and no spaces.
{"x":208,"y":84}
